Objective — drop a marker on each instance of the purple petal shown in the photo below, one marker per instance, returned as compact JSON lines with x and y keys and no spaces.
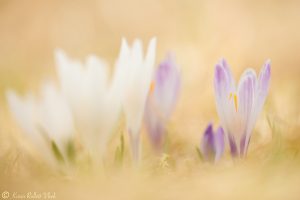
{"x":223,"y":86}
{"x":158,"y":134}
{"x":164,"y":70}
{"x":263,"y":87}
{"x":207,"y":146}
{"x":261,"y":92}
{"x":220,"y":80}
{"x":246,"y":95}
{"x":226,"y":68}
{"x":219,"y":143}
{"x":244,"y":145}
{"x":223,"y":81}
{"x":167,"y":84}
{"x":155,"y":126}
{"x":233,"y":147}
{"x":162,"y":100}
{"x":264,"y":80}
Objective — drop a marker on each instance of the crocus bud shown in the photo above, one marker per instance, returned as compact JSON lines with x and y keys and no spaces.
{"x":212,"y":144}
{"x":161,"y":100}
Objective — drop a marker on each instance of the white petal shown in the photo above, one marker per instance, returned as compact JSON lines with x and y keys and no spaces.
{"x":55,"y":115}
{"x":97,"y":72}
{"x":24,"y":113}
{"x":138,"y":86}
{"x":137,"y":53}
{"x":94,"y":103}
{"x":150,"y":56}
{"x":149,"y":63}
{"x":124,"y":50}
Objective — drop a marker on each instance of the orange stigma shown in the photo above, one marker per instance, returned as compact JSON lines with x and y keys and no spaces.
{"x":152,"y":87}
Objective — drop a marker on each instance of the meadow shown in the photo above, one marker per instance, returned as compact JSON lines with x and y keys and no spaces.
{"x":199,"y":34}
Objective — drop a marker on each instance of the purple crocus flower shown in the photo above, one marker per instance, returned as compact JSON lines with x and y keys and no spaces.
{"x":212,"y":145}
{"x":238,"y":108}
{"x":161,"y":100}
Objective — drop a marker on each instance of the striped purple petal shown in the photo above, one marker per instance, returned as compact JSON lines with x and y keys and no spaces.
{"x":262,"y":86}
{"x":264,"y":79}
{"x":223,"y":81}
{"x":238,"y":108}
{"x":246,"y":97}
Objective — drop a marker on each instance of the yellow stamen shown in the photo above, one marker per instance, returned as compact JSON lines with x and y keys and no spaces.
{"x":235,"y":100}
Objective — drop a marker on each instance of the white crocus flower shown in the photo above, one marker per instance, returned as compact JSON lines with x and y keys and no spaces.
{"x":138,"y":73}
{"x":46,"y":121}
{"x":94,"y":100}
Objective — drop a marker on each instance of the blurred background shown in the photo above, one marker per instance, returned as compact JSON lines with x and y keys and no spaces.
{"x":199,"y":33}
